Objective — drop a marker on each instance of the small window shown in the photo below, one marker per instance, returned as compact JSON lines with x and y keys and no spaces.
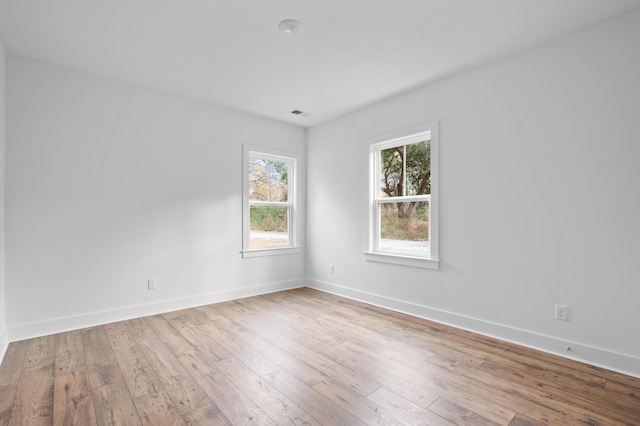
{"x":403,"y":210}
{"x":269,"y":209}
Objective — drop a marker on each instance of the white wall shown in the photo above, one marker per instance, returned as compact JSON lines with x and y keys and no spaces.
{"x":3,"y":328}
{"x":540,"y":199}
{"x":110,"y":184}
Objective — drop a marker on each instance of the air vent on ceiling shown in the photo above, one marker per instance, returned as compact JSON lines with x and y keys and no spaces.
{"x":301,"y":113}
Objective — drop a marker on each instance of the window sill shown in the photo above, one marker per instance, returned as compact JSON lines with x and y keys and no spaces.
{"x":398,"y":259}
{"x":270,"y":252}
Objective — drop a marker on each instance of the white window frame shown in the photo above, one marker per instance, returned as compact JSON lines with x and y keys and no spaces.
{"x":377,"y":144}
{"x":277,"y":155}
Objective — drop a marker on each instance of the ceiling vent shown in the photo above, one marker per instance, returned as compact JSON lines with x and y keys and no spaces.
{"x":301,"y":113}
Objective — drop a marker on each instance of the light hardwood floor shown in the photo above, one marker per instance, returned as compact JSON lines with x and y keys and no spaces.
{"x":300,"y":357}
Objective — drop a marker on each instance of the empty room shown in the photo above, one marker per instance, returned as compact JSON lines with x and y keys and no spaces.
{"x":338,"y":212}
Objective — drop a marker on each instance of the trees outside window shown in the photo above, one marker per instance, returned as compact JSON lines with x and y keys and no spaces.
{"x":405,"y":171}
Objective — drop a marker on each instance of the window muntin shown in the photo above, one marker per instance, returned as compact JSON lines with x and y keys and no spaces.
{"x":404,"y":197}
{"x":269,"y":201}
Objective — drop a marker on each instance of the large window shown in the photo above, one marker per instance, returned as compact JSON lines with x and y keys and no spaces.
{"x":403,"y":210}
{"x":269,"y":208}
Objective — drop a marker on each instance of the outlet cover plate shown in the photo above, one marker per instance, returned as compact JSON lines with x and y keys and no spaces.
{"x":562,"y":312}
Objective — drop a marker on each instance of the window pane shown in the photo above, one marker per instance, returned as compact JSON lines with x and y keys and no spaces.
{"x":268,"y":180}
{"x":269,"y":226}
{"x":391,"y":172}
{"x":418,"y":168}
{"x":405,"y":170}
{"x":404,"y":227}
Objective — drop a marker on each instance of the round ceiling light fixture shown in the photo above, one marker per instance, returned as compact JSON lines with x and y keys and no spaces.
{"x":290,"y":26}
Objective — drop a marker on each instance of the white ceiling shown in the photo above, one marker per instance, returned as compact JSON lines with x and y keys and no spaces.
{"x":351,"y":53}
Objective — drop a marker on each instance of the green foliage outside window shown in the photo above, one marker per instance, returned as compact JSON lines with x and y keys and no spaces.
{"x":405,"y":171}
{"x":396,"y":227}
{"x":269,"y":218}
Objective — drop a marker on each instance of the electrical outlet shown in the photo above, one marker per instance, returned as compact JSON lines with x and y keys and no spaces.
{"x":562,"y":312}
{"x":151,"y":284}
{"x":331,"y":269}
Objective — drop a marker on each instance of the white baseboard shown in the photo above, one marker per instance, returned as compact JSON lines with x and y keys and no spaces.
{"x":621,"y":363}
{"x":59,"y":325}
{"x":4,"y":343}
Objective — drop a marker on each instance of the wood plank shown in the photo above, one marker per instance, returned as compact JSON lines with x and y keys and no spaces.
{"x":164,"y":362}
{"x":488,"y":398}
{"x":189,"y":324}
{"x":157,"y":408}
{"x":522,"y":420}
{"x":589,"y":392}
{"x":181,"y":387}
{"x":275,"y":354}
{"x":235,"y":405}
{"x":535,"y":401}
{"x":578,"y":400}
{"x":173,"y":339}
{"x":10,"y":371}
{"x":421,"y":394}
{"x":310,"y":400}
{"x":412,"y":383}
{"x":277,"y":406}
{"x":624,"y":389}
{"x":294,"y":343}
{"x":210,"y":325}
{"x":352,"y":402}
{"x":628,"y":381}
{"x":356,"y":382}
{"x":206,"y":416}
{"x":101,"y":361}
{"x":406,"y":411}
{"x":138,"y":375}
{"x":33,"y":403}
{"x":114,"y":406}
{"x":41,"y":355}
{"x":70,"y":354}
{"x":457,"y":414}
{"x":73,"y":400}
{"x":187,"y":394}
